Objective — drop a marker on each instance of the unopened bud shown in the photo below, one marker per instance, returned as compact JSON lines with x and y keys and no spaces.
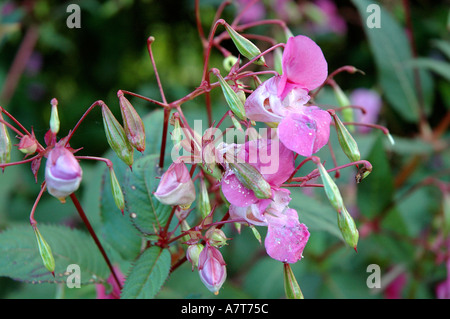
{"x":344,"y":102}
{"x":132,"y":122}
{"x":116,"y":136}
{"x":330,"y":187}
{"x":5,"y":143}
{"x":234,"y":102}
{"x":291,"y":286}
{"x":348,"y":228}
{"x":229,"y":62}
{"x":252,"y":179}
{"x":45,"y":251}
{"x":211,"y":268}
{"x":193,"y":254}
{"x":216,"y":237}
{"x":204,"y":205}
{"x":245,"y":46}
{"x":116,"y":190}
{"x":346,"y":140}
{"x":27,"y":145}
{"x":54,"y":118}
{"x":256,"y":233}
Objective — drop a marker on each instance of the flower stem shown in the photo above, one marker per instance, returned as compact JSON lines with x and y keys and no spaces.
{"x":83,"y":216}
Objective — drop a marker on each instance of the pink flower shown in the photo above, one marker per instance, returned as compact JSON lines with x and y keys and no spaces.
{"x":254,"y":12}
{"x":176,"y":186}
{"x":443,"y":288}
{"x":370,"y":100}
{"x":63,"y":173}
{"x":286,"y":237}
{"x":211,"y":267}
{"x":114,"y":291}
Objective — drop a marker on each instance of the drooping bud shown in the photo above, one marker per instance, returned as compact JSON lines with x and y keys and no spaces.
{"x":176,"y":186}
{"x":348,"y":228}
{"x":116,"y":136}
{"x":344,"y":101}
{"x":216,"y":237}
{"x":27,"y":145}
{"x":291,"y":286}
{"x":193,"y":254}
{"x":54,"y":118}
{"x":331,"y":189}
{"x":245,"y":46}
{"x":63,"y":173}
{"x":5,"y":143}
{"x":211,"y":267}
{"x":45,"y":251}
{"x":132,"y":122}
{"x":233,"y":100}
{"x":252,"y":179}
{"x":346,"y":140}
{"x":116,"y":190}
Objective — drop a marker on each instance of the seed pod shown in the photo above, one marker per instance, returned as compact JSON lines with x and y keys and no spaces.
{"x":331,"y":189}
{"x":346,"y":140}
{"x":291,"y":286}
{"x":348,"y":228}
{"x":252,"y":179}
{"x":245,"y":46}
{"x":116,"y":191}
{"x":344,"y":101}
{"x":132,"y":122}
{"x":204,"y":205}
{"x":116,"y":136}
{"x":5,"y":143}
{"x":45,"y":251}
{"x":255,"y":233}
{"x":233,"y":100}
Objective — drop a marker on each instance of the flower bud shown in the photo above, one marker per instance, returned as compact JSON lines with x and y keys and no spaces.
{"x":245,"y":46}
{"x":346,"y":140}
{"x":344,"y":101}
{"x":133,"y":125}
{"x":193,"y":254}
{"x":63,"y":173}
{"x":331,"y":189}
{"x":255,"y":233}
{"x":45,"y":251}
{"x":348,"y":228}
{"x":176,"y":186}
{"x":116,"y":136}
{"x":229,"y":62}
{"x":211,"y":267}
{"x":233,"y":100}
{"x":291,"y":286}
{"x":5,"y":143}
{"x":252,"y":179}
{"x":216,"y":237}
{"x":54,"y":118}
{"x":204,"y":205}
{"x":27,"y":145}
{"x":116,"y":190}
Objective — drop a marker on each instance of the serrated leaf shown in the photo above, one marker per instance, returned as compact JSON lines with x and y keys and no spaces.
{"x":20,"y":259}
{"x":148,"y":274}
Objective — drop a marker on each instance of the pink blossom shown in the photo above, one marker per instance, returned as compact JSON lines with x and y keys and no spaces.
{"x":370,"y":100}
{"x":286,"y":237}
{"x":211,"y":267}
{"x":254,"y":12}
{"x":63,"y":173}
{"x":114,"y":291}
{"x":176,"y":186}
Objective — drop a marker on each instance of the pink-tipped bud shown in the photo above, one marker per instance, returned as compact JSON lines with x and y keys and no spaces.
{"x":27,"y":145}
{"x":211,"y":267}
{"x":62,"y":173}
{"x":176,"y":186}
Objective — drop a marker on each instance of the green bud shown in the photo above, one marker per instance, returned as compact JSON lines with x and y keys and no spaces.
{"x":256,"y":233}
{"x":204,"y":205}
{"x":116,"y":136}
{"x":233,"y":100}
{"x":291,"y":286}
{"x":348,"y":228}
{"x":331,"y":189}
{"x":343,"y":101}
{"x":229,"y":62}
{"x":45,"y":251}
{"x":116,"y":191}
{"x":133,"y":125}
{"x":54,"y":118}
{"x":216,"y":237}
{"x":193,"y":254}
{"x":346,"y":140}
{"x":252,"y":179}
{"x":5,"y":143}
{"x":245,"y":46}
{"x":236,"y":123}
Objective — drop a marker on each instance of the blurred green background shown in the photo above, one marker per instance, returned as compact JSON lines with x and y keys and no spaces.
{"x":81,"y":65}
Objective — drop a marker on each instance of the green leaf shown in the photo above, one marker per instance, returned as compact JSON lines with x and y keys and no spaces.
{"x":148,"y":274}
{"x":391,"y":51}
{"x":20,"y":259}
{"x":441,"y":68}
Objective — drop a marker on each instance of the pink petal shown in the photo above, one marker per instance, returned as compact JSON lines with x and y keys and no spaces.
{"x":258,"y":104}
{"x":236,"y":193}
{"x":303,"y":64}
{"x":286,"y":238}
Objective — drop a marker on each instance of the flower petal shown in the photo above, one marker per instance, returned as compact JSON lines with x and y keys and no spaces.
{"x":236,"y":193}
